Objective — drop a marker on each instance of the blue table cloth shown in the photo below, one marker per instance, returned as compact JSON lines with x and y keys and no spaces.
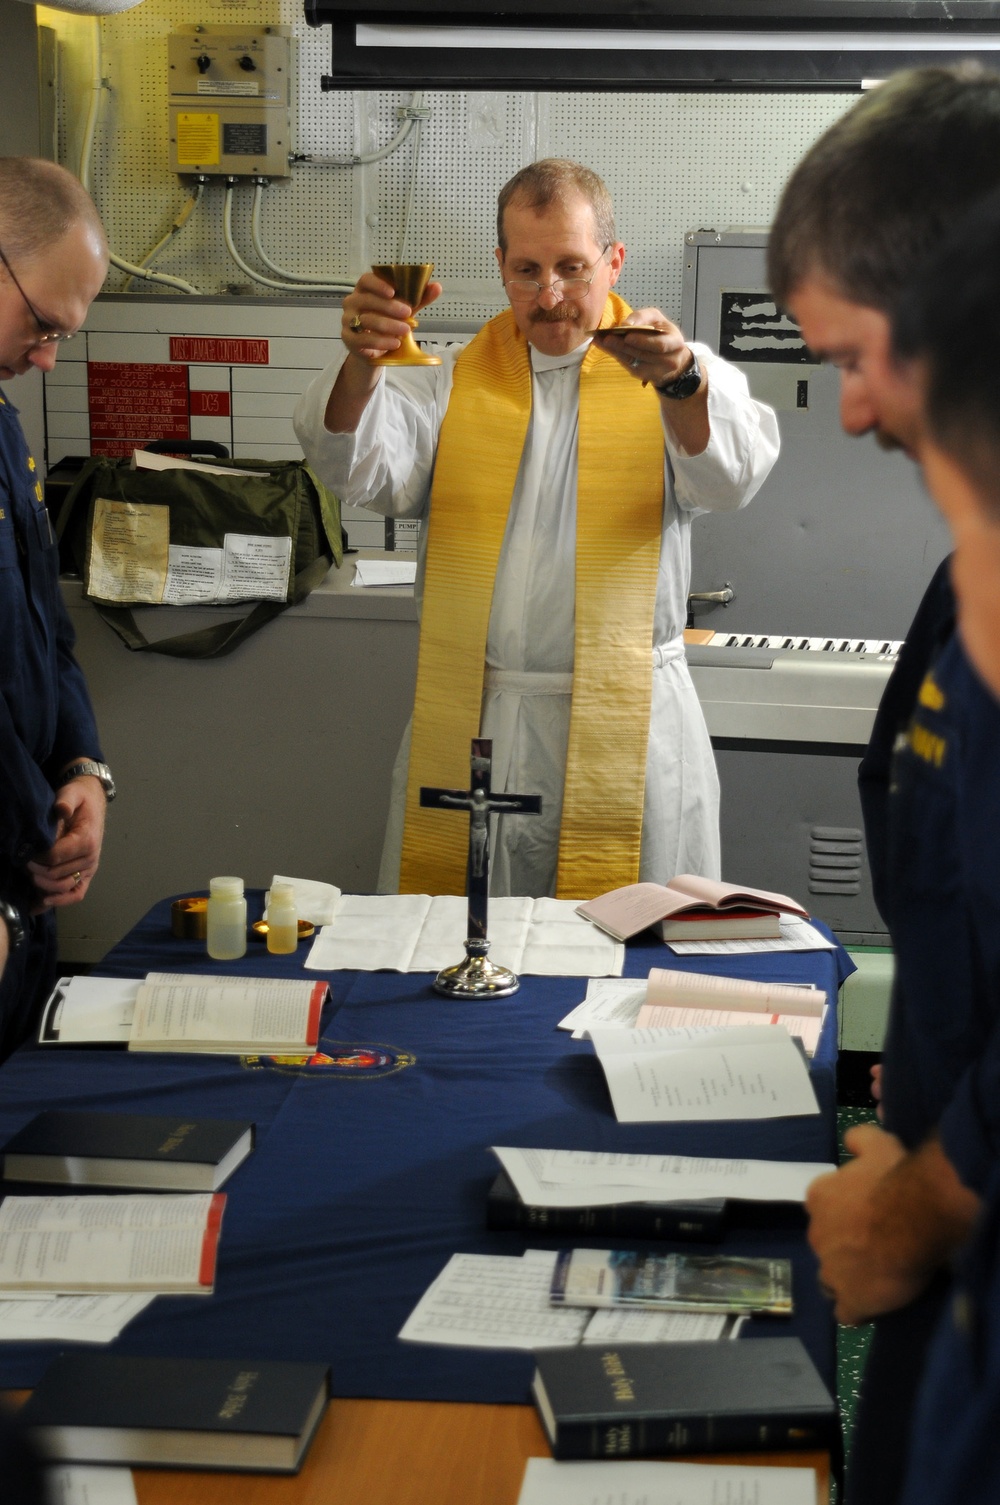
{"x":371,"y":1165}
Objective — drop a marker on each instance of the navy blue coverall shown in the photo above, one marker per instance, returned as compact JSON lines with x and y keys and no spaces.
{"x":46,"y":720}
{"x":935,"y":858}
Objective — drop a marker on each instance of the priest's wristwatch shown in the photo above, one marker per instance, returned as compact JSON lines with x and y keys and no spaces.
{"x":15,"y":925}
{"x":685,"y":385}
{"x":97,"y":770}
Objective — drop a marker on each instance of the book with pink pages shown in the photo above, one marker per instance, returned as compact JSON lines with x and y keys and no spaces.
{"x":625,"y":912}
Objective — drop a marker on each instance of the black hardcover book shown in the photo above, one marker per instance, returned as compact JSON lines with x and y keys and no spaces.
{"x":177,"y":1413}
{"x":126,"y":1149}
{"x":701,"y":1221}
{"x":632,"y":1400}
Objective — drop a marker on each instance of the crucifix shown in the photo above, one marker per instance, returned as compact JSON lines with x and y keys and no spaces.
{"x":477,"y":976}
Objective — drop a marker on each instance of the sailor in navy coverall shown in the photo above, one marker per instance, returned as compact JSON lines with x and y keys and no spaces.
{"x":941,"y":1059}
{"x":53,"y":786}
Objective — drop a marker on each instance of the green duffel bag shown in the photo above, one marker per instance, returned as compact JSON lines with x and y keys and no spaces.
{"x":193,"y":538}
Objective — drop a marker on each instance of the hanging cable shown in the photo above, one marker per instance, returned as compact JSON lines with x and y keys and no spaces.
{"x":180,"y":220}
{"x":97,"y":87}
{"x":415,"y":113}
{"x":307,"y":278}
{"x":410,"y":193}
{"x":285,"y":287}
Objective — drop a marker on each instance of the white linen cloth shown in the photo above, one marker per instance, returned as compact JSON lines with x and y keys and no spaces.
{"x":387,"y":464}
{"x":417,"y":933}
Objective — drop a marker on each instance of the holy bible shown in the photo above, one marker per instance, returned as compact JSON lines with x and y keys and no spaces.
{"x":177,"y":1413}
{"x":640,"y":1399}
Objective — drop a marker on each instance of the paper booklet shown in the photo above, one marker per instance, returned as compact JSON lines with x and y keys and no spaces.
{"x":675,"y":1000}
{"x":166,"y":1243}
{"x":690,"y":1075}
{"x":672,"y":1282}
{"x":624,"y":912}
{"x":226,"y":1015}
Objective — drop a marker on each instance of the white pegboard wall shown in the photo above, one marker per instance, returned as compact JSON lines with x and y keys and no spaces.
{"x":673,"y":162}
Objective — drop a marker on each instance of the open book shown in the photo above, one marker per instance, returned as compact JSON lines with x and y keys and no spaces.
{"x":679,"y":1000}
{"x":625,"y":912}
{"x":226,"y":1015}
{"x":164,"y":1243}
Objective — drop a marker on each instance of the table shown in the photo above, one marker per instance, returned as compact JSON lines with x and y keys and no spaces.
{"x":371,"y":1168}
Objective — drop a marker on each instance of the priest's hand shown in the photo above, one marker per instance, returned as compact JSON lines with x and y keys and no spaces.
{"x":374,"y":319}
{"x":885,"y":1222}
{"x":62,"y":874}
{"x":654,"y":355}
{"x":657,"y":355}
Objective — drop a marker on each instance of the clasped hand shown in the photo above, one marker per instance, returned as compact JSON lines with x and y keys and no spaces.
{"x":62,"y":875}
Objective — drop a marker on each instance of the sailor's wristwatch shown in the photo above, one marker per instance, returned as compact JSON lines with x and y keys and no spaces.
{"x":96,"y":770}
{"x":15,"y":925}
{"x":685,"y":385}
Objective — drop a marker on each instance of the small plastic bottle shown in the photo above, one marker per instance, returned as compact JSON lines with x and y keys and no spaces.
{"x":282,"y":919}
{"x":227,"y":919}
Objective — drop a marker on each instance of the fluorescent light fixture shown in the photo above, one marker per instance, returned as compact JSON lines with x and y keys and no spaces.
{"x":568,"y":39}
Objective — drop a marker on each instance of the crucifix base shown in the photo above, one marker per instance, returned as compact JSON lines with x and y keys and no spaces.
{"x":477,"y":976}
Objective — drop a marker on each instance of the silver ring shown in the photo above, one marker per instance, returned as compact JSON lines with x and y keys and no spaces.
{"x":634,"y":363}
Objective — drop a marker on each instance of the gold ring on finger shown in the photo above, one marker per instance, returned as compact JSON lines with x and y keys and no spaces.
{"x":356,"y":323}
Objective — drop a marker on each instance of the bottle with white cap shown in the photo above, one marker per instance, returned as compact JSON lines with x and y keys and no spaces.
{"x":227,"y":919}
{"x":282,"y":919}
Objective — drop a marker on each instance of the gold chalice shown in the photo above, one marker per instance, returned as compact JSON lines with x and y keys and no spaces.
{"x":409,"y":281}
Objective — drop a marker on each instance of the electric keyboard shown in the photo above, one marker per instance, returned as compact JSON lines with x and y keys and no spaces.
{"x":810,"y":693}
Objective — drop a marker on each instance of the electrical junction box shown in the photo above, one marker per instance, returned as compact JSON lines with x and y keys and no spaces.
{"x":232,"y":100}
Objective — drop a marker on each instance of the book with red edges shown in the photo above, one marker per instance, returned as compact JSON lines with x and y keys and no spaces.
{"x":75,"y":1245}
{"x":175,"y":1011}
{"x":625,"y":912}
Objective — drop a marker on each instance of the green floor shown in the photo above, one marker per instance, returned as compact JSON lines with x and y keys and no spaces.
{"x":852,"y":1342}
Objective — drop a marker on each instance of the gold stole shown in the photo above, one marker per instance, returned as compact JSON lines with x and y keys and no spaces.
{"x":619,"y":521}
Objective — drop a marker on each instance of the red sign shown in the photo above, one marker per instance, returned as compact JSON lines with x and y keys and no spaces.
{"x":131,"y":403}
{"x":215,"y":351}
{"x":209,"y":404}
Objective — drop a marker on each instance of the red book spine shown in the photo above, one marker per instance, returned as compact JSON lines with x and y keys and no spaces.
{"x":316,"y":998}
{"x":210,"y":1242}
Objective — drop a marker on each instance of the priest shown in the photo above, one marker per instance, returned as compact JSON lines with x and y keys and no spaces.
{"x":558,"y":463}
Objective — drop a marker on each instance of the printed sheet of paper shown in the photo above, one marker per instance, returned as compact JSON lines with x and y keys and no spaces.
{"x":805,"y":1027}
{"x":255,"y":567}
{"x":73,"y":1319}
{"x":84,"y":1484}
{"x":128,"y":550}
{"x":494,"y":1301}
{"x":608,"y":1001}
{"x":629,"y":1481}
{"x":371,"y":572}
{"x":221,"y":1016}
{"x":415,"y":933}
{"x":602,"y":1178}
{"x":72,"y":1245}
{"x":687,"y":1075}
{"x":90,"y":1009}
{"x":194,"y":575}
{"x":796,"y":935}
{"x":615,"y":1325}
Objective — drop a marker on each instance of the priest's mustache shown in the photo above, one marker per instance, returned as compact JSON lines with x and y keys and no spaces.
{"x":557,"y":315}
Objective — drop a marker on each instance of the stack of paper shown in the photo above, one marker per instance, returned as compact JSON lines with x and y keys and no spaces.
{"x":502,"y":1301}
{"x":81,"y":1484}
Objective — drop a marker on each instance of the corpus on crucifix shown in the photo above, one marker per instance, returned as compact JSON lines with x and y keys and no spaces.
{"x":477,"y":976}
